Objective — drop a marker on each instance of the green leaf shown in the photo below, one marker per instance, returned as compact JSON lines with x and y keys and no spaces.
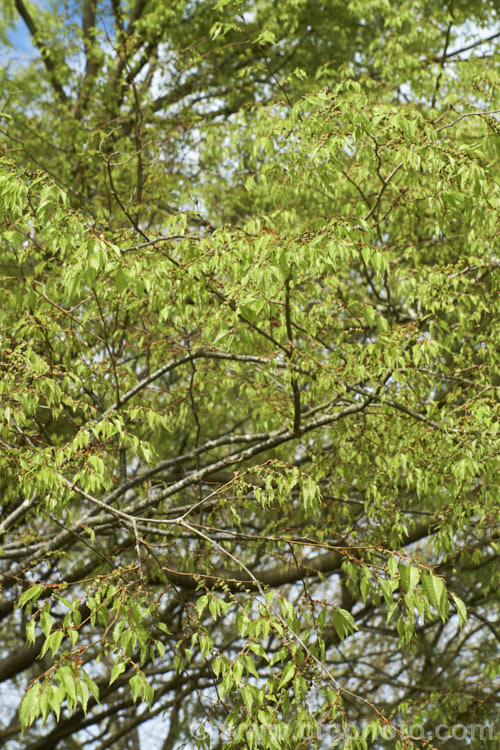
{"x":287,"y":675}
{"x":119,"y":668}
{"x":30,"y":595}
{"x":461,"y":610}
{"x":435,"y":591}
{"x":66,"y":679}
{"x":136,"y":685}
{"x":344,"y":623}
{"x":30,"y":631}
{"x":369,"y":314}
{"x":410,"y":576}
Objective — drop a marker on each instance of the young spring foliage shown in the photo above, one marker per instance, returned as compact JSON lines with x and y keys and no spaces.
{"x":249,"y":395}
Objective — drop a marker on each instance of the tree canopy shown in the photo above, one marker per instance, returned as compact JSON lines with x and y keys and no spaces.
{"x":250,"y":357}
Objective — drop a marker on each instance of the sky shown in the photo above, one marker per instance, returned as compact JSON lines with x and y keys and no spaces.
{"x":22,"y":49}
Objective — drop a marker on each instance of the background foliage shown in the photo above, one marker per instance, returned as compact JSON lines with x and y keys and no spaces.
{"x":250,"y":395}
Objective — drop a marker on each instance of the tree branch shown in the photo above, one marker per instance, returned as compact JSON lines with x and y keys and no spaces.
{"x":50,"y":66}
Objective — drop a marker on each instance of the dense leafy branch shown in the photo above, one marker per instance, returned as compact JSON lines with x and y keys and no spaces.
{"x":249,"y":387}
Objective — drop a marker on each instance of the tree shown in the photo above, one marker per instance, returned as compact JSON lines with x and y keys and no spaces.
{"x":249,"y":395}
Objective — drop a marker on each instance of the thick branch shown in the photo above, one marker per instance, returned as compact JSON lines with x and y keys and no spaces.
{"x":280,"y":575}
{"x":44,"y":51}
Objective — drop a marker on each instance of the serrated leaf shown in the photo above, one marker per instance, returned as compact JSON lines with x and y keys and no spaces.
{"x":30,"y":595}
{"x":434,"y":589}
{"x":287,"y":674}
{"x":461,"y":610}
{"x":118,"y":669}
